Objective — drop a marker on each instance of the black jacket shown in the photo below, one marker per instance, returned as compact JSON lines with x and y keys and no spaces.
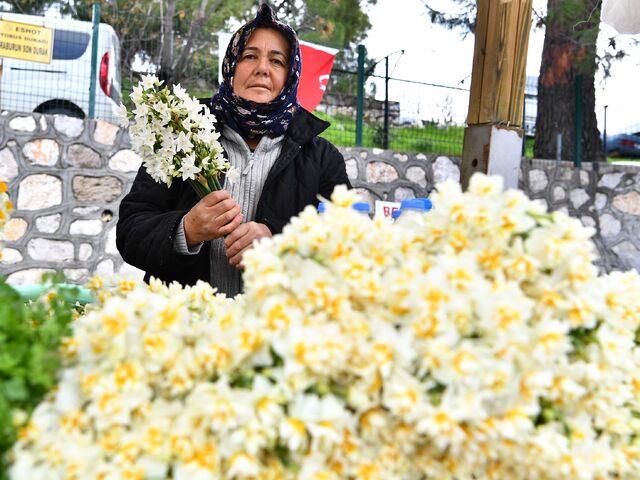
{"x":308,"y":166}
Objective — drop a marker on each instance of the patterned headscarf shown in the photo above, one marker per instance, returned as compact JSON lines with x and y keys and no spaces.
{"x":252,"y":119}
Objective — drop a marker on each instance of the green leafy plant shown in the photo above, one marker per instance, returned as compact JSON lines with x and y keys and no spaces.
{"x":30,"y":336}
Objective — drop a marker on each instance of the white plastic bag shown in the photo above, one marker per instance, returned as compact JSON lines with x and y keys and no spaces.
{"x":623,"y":15}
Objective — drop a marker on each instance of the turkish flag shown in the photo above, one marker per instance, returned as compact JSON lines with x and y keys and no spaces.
{"x":317,"y":62}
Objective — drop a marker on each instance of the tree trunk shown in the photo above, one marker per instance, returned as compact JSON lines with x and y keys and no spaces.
{"x":166,"y":46}
{"x":568,"y":71}
{"x":194,"y":31}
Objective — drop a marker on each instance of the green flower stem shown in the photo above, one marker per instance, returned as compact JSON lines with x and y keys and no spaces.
{"x":213,"y":183}
{"x":200,"y":189}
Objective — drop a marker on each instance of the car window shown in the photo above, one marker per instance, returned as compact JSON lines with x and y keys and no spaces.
{"x":69,"y":45}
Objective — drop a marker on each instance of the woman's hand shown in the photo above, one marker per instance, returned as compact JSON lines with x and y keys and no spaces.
{"x":241,"y":239}
{"x":214,"y":216}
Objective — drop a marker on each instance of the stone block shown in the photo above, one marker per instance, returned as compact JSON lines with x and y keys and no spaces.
{"x":628,"y":252}
{"x":85,"y":210}
{"x":9,"y":256}
{"x":68,"y":126}
{"x":105,"y":132}
{"x":538,"y":180}
{"x":14,"y":230}
{"x":80,"y":156}
{"x":85,"y":251}
{"x":610,"y":180}
{"x":352,"y":168}
{"x":587,"y":221}
{"x":48,"y":223}
{"x":601,"y":201}
{"x":584,"y":178}
{"x":381,"y":172}
{"x":417,"y":175}
{"x":39,"y":191}
{"x":85,"y":227}
{"x":404,"y":193}
{"x":628,"y":203}
{"x":23,"y":124}
{"x":125,"y":161}
{"x":110,"y":245}
{"x":609,"y":225}
{"x":105,"y":268}
{"x":578,"y":197}
{"x":444,"y":169}
{"x":96,"y":189}
{"x":42,"y":151}
{"x":50,"y":250}
{"x":8,"y":165}
{"x":26,"y":276}
{"x":558,"y":193}
{"x":76,"y":275}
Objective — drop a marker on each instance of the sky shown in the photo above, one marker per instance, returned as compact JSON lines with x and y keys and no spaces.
{"x":435,"y":55}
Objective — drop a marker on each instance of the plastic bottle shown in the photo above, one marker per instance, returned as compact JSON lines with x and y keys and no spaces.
{"x":322,"y":207}
{"x":412,"y":211}
{"x":362,"y":207}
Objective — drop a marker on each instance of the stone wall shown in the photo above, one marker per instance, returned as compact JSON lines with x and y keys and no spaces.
{"x":67,"y":176}
{"x":66,"y":179}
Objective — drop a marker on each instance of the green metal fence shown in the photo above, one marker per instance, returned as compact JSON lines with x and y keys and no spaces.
{"x":394,"y":113}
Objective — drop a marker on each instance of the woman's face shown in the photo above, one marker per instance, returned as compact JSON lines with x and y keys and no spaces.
{"x":262,"y":68}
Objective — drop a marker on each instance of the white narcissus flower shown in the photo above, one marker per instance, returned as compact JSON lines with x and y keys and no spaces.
{"x":233,"y":175}
{"x":189,"y":170}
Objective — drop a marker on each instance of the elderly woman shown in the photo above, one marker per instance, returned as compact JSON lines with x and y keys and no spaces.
{"x":269,"y":138}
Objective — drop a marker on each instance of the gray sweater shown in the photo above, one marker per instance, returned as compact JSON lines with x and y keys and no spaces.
{"x":254,"y":168}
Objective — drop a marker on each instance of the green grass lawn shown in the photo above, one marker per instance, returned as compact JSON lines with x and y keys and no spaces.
{"x":430,"y":138}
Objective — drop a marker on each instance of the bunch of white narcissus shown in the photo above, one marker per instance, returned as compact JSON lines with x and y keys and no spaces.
{"x":482,"y":345}
{"x":5,"y":205}
{"x":175,"y":135}
{"x":5,"y":208}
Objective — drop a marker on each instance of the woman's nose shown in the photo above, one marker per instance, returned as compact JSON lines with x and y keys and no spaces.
{"x":262,"y":66}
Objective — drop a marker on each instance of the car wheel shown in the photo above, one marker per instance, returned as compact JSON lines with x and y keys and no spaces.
{"x":69,"y":112}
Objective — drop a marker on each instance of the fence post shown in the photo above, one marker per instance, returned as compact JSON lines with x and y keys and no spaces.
{"x":577,"y":161}
{"x":94,"y":59}
{"x":360,"y":105}
{"x":385,"y":141}
{"x":524,"y":118}
{"x":604,"y":136}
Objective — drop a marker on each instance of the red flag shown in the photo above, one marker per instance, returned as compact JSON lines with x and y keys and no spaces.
{"x":317,"y":62}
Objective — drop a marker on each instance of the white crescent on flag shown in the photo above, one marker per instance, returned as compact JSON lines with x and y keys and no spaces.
{"x":317,"y":62}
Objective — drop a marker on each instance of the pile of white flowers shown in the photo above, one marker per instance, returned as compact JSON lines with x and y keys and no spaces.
{"x":5,"y":208}
{"x":482,"y":345}
{"x":175,"y":135}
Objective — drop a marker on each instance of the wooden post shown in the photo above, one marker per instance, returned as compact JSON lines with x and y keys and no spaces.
{"x":494,"y":135}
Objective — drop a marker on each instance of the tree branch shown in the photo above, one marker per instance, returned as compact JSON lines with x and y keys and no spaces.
{"x":194,"y":31}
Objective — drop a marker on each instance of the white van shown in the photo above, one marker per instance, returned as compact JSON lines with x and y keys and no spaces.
{"x":62,"y":86}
